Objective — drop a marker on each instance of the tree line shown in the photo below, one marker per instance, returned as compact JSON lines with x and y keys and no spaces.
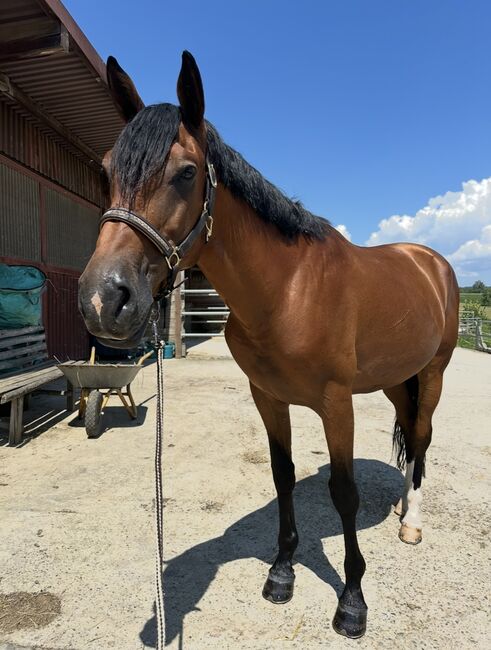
{"x":478,"y":302}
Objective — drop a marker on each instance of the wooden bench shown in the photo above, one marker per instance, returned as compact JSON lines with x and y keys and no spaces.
{"x":24,"y":368}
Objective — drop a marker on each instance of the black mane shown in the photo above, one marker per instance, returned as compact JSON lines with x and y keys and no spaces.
{"x":141,"y":151}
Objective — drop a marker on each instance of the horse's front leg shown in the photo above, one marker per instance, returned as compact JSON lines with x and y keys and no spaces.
{"x":276,"y":417}
{"x":337,"y":415}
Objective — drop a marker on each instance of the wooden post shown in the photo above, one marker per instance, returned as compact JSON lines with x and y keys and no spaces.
{"x":480,"y":343}
{"x":70,"y":397}
{"x":16,"y":421}
{"x":178,"y":318}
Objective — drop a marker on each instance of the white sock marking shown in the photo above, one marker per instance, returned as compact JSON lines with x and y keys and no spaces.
{"x":411,"y":500}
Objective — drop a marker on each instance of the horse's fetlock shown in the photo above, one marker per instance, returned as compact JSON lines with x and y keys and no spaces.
{"x":290,"y":540}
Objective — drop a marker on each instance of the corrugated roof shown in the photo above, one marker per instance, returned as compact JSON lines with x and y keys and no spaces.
{"x":49,"y":61}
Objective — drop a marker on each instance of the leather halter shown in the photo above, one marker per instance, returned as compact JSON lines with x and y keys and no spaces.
{"x":173,"y":253}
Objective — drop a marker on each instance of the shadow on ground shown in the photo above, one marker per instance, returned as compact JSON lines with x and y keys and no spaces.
{"x":115,"y":417}
{"x":36,"y":421}
{"x":188,"y":576}
{"x":41,"y":417}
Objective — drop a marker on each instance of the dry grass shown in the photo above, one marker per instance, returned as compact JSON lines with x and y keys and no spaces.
{"x":21,"y":610}
{"x":255,"y":457}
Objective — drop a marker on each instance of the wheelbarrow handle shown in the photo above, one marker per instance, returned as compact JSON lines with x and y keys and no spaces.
{"x":142,"y":359}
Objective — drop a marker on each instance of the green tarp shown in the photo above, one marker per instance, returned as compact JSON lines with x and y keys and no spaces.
{"x":20,"y":296}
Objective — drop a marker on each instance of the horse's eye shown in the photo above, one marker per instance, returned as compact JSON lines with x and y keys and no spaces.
{"x":188,"y":172}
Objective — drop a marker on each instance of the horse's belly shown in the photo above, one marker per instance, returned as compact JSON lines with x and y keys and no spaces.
{"x":296,"y":369}
{"x":386,"y":366}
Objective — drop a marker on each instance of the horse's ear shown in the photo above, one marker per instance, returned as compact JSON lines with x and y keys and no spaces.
{"x":123,"y":91}
{"x":190,"y":92}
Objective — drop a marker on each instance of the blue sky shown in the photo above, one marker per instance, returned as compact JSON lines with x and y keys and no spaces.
{"x":365,"y":110}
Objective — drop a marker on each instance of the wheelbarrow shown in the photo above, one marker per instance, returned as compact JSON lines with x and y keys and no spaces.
{"x":98,"y":382}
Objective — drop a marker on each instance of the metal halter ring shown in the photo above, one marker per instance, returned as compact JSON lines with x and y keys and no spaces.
{"x":211,"y":174}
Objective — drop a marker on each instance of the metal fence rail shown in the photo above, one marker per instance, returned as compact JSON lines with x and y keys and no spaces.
{"x":213,"y":316}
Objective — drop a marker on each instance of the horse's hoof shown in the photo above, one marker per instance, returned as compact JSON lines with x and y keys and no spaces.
{"x":410,"y":535}
{"x":398,"y":509}
{"x":278,"y":589}
{"x":350,"y":621}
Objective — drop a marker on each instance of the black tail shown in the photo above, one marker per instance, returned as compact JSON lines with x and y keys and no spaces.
{"x":398,"y":443}
{"x":398,"y":446}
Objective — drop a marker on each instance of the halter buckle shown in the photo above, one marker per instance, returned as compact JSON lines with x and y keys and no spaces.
{"x":174,"y":254}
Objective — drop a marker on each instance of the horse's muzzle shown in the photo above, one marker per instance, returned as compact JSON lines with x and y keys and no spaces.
{"x":115,"y":310}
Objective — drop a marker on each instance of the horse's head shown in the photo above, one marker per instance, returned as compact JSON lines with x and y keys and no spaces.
{"x":157,"y":171}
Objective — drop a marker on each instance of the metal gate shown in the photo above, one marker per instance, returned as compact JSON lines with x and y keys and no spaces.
{"x":196,"y":312}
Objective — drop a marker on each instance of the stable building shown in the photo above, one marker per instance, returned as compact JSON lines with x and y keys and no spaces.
{"x":57,"y":120}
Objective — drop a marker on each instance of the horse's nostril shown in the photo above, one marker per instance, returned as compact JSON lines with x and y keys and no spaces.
{"x":124,"y":298}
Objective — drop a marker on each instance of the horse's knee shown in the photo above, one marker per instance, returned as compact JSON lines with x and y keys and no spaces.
{"x":284,"y":480}
{"x":344,"y":495}
{"x":283,"y":468}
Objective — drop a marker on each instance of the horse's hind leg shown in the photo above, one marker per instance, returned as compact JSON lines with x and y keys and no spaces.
{"x":276,"y":417}
{"x":404,"y":398}
{"x":416,"y":425}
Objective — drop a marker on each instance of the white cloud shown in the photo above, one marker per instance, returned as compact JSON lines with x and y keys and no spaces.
{"x":473,"y":258}
{"x":475,"y":248}
{"x":458,"y":224}
{"x":344,"y":231}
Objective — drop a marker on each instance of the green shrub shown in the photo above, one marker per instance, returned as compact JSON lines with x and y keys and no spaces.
{"x":474,"y":306}
{"x":486,"y":297}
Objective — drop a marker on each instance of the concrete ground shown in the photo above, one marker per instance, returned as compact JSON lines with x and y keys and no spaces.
{"x":77,"y":523}
{"x":212,"y":348}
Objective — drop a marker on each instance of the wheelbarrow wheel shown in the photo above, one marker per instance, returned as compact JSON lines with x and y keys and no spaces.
{"x":93,"y":415}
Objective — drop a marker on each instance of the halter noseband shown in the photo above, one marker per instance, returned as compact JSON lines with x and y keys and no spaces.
{"x":173,"y":253}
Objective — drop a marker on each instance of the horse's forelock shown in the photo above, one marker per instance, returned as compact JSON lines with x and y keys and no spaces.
{"x":141,"y":151}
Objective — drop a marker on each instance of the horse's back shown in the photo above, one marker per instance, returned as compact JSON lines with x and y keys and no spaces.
{"x":412,"y":274}
{"x":433,"y":267}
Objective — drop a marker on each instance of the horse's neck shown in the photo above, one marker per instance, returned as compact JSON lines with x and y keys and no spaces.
{"x":246,"y":260}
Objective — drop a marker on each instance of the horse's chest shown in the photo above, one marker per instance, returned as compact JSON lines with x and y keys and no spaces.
{"x":277,"y":370}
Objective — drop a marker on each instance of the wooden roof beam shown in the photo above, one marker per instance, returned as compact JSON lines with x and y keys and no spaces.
{"x":33,"y":47}
{"x":11,"y":90}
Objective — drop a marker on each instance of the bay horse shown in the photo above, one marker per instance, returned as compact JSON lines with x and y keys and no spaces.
{"x":313,"y":318}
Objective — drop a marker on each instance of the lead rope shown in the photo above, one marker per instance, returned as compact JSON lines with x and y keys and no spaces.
{"x":159,"y":501}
